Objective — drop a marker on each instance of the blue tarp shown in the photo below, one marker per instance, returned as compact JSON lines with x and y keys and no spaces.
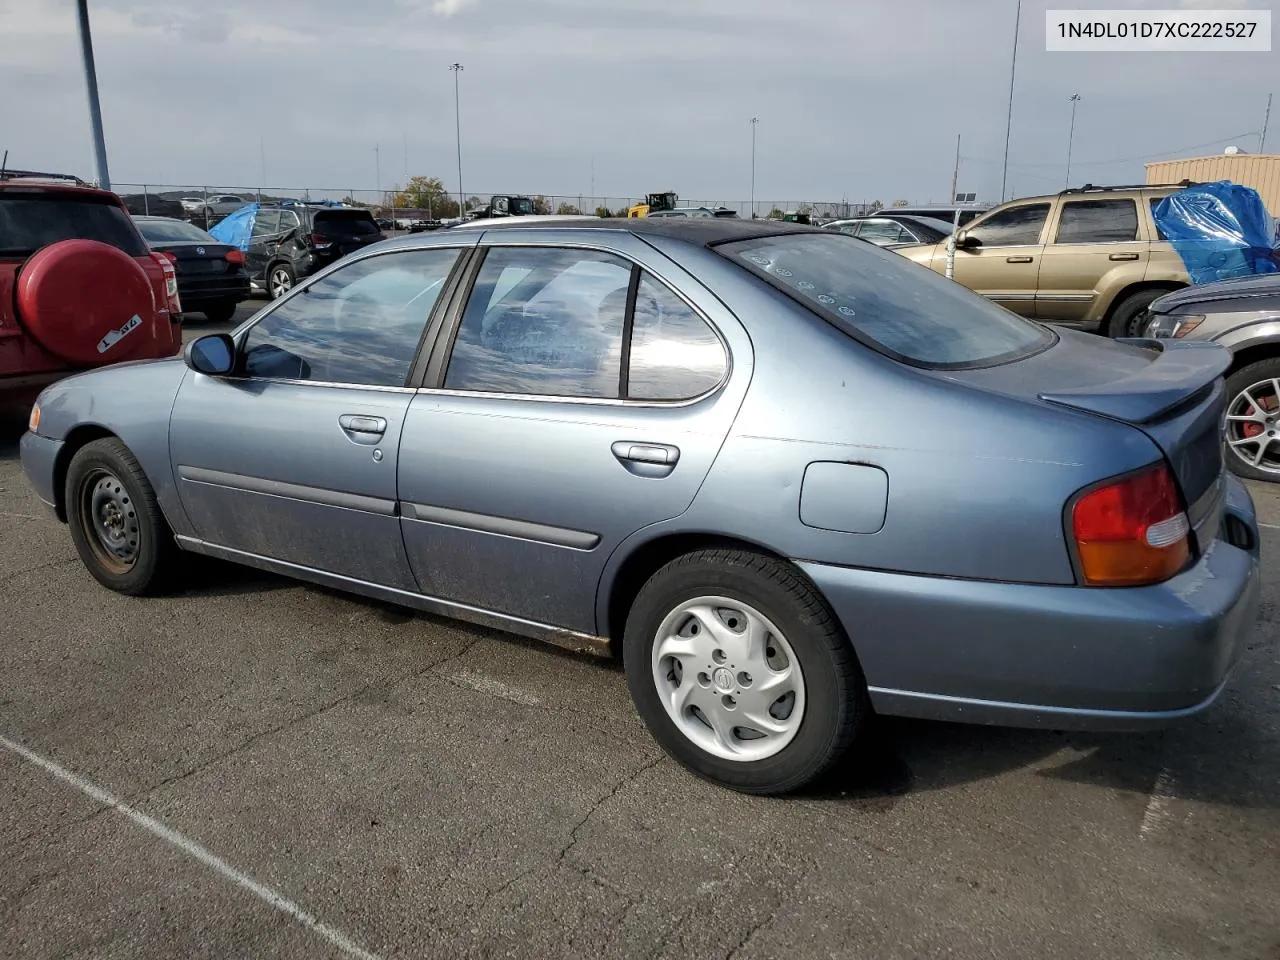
{"x":1220,"y":230}
{"x":236,"y":227}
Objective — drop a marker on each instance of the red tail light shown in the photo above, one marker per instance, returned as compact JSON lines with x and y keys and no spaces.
{"x":235,"y":256}
{"x":320,"y":241}
{"x":1132,"y":531}
{"x":166,"y":261}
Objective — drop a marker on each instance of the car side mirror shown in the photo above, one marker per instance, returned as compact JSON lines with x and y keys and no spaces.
{"x":965,"y":241}
{"x":213,"y":355}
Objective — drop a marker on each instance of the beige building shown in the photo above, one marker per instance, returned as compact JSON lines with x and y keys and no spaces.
{"x":1260,"y":171}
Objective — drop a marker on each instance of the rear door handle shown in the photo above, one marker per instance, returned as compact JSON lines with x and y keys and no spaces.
{"x":661,"y":454}
{"x":1018,"y":259}
{"x":362,"y":429}
{"x":1123,"y":256}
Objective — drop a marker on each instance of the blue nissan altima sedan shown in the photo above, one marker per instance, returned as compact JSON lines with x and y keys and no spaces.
{"x":792,"y":478}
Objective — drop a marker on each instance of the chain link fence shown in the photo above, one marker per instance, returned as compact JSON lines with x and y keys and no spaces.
{"x":206,"y":204}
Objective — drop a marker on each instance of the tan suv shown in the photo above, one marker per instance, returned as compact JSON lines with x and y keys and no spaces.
{"x":1089,"y":257}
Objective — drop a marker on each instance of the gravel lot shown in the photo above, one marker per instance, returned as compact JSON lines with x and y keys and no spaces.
{"x":296,"y":773}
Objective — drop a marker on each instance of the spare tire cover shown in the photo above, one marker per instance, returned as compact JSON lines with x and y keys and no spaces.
{"x":87,"y":302}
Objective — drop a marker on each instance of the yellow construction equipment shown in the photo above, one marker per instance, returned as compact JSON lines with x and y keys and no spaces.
{"x":653,"y":201}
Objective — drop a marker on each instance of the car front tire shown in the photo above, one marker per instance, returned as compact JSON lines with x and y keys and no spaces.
{"x":740,"y":670}
{"x":116,"y":523}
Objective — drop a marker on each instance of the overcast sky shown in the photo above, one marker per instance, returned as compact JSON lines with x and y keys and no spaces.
{"x":856,"y":99}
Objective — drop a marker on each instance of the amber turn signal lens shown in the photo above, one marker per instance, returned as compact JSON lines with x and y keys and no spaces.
{"x":1132,"y":532}
{"x":33,"y":421}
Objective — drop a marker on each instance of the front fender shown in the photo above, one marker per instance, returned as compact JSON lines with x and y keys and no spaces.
{"x":133,"y":401}
{"x":1251,"y":333}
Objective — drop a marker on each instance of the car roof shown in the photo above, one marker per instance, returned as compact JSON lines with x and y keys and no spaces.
{"x":44,"y":185}
{"x":702,"y":231}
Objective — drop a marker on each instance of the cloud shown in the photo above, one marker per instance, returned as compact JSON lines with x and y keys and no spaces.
{"x":447,"y":8}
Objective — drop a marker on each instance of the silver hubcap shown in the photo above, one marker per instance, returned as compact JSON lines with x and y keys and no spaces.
{"x":1253,"y":425}
{"x":280,"y":282}
{"x":728,"y":679}
{"x":112,"y":519}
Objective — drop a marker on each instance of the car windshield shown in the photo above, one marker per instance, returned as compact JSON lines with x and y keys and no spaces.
{"x":889,"y":302}
{"x":172,"y":231}
{"x":30,"y":221}
{"x":351,"y":223}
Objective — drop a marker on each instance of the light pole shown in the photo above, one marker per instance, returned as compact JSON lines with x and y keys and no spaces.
{"x":1075,"y":99}
{"x":1008,"y":123}
{"x":755,"y":122}
{"x":95,"y":110}
{"x":457,"y":117}
{"x":377,"y":171}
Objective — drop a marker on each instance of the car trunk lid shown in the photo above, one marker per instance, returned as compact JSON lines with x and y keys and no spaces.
{"x":1171,"y":390}
{"x":199,"y":259}
{"x":347,"y":230}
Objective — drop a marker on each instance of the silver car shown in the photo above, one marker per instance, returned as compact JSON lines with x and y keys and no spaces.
{"x":789,"y":476}
{"x":1244,"y":316}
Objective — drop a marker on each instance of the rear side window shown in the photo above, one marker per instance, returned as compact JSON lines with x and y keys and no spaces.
{"x":543,"y":322}
{"x":30,"y":221}
{"x":346,"y":223}
{"x":888,"y":302}
{"x":674,"y":354}
{"x":1098,"y":221}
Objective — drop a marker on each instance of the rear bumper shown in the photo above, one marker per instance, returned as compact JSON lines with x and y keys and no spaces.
{"x":1049,"y":656}
{"x":39,"y":457}
{"x":203,"y":290}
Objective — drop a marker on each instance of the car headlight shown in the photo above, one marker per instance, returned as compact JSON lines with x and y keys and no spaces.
{"x":1167,"y":326}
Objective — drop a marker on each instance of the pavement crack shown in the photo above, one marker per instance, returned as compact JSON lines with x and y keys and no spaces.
{"x":750,"y":935}
{"x":563,"y":852}
{"x":42,"y":566}
{"x":301,"y":718}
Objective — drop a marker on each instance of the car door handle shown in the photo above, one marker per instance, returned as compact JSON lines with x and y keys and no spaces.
{"x":1123,"y":256}
{"x":362,"y":429}
{"x":1018,"y":259}
{"x":661,"y":454}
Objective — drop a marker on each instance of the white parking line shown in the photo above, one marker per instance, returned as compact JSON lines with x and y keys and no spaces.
{"x":193,"y":850}
{"x":1159,"y":814}
{"x":1270,"y":526}
{"x":494,"y":688}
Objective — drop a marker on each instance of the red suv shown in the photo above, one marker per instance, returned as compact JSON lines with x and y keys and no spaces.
{"x":79,"y":287}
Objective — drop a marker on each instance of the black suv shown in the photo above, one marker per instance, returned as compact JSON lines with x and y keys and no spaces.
{"x":293,"y":241}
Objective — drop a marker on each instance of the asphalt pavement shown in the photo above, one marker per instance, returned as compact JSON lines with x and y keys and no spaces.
{"x":258,"y":768}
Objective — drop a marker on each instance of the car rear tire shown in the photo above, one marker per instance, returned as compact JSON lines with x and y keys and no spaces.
{"x":280,"y":280}
{"x":741,"y":671}
{"x":1251,"y":441}
{"x":1128,"y":317}
{"x":116,"y":524}
{"x":221,"y":312}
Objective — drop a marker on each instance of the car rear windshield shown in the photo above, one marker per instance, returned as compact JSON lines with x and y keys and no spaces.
{"x":30,"y":221}
{"x":891,"y":303}
{"x":349,"y":223}
{"x":173,"y":231}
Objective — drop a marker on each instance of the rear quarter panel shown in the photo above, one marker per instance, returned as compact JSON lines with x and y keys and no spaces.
{"x":977,"y":483}
{"x":133,"y":401}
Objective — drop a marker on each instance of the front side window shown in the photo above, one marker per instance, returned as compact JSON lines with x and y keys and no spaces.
{"x":543,"y":321}
{"x":1098,"y":221}
{"x":889,"y":302}
{"x":1016,"y":226}
{"x":266,"y":223}
{"x":359,"y":325}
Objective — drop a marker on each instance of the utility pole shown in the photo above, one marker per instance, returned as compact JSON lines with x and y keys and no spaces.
{"x":955,"y":171}
{"x":377,"y":171}
{"x":1075,"y":99}
{"x":1008,"y":123}
{"x":406,"y":159}
{"x":95,"y":109}
{"x":755,"y":122}
{"x":1266,"y":119}
{"x":262,"y":162}
{"x":457,"y":117}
